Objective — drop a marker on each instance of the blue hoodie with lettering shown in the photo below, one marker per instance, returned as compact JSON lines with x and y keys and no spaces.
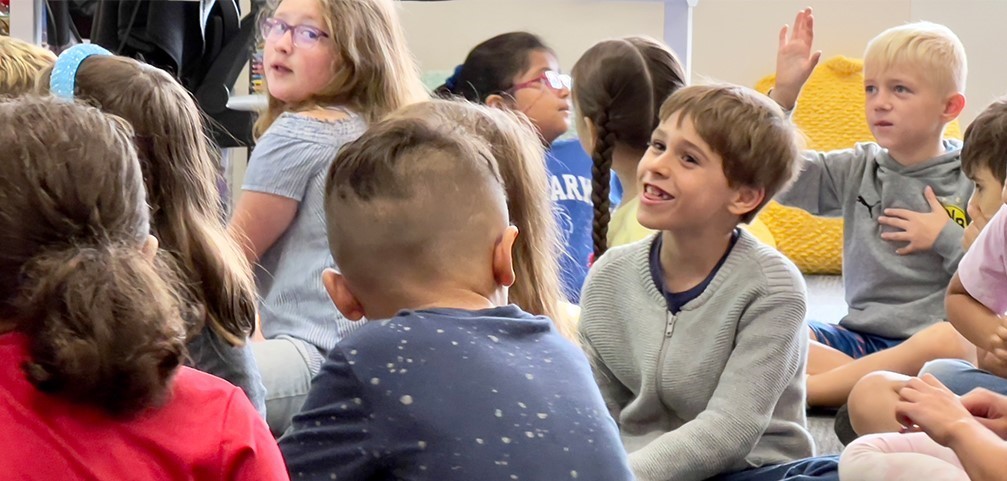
{"x":569,"y":170}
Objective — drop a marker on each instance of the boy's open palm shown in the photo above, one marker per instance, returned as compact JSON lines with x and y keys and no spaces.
{"x":918,"y":229}
{"x":794,"y":59}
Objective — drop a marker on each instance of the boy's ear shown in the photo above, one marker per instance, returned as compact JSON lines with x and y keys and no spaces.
{"x":503,"y":258}
{"x":341,"y":296}
{"x":496,"y":101}
{"x":954,"y":106}
{"x":745,"y":200}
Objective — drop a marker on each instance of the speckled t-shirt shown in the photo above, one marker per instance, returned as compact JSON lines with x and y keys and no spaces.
{"x":448,"y":394}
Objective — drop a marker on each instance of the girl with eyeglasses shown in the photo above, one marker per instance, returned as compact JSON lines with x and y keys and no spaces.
{"x":517,"y":71}
{"x":331,"y":68}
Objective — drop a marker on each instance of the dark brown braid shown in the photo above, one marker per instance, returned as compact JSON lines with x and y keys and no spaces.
{"x":619,"y":86}
{"x":601,"y":176}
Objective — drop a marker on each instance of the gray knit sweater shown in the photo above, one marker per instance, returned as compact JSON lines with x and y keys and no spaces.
{"x":717,"y":388}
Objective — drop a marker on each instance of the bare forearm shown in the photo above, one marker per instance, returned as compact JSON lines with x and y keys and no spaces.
{"x":980,"y":451}
{"x":785,"y":95}
{"x":973,"y":320}
{"x":247,"y":247}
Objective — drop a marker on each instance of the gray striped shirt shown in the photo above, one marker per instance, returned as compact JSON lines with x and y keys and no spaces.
{"x":291,"y":160}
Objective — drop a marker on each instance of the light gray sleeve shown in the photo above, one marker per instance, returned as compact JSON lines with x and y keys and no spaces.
{"x":822,"y":184}
{"x":283,"y":166}
{"x":770,"y":349}
{"x":615,"y":394}
{"x":949,"y":245}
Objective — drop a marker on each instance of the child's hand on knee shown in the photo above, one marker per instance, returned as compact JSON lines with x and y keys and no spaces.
{"x":989,"y":408}
{"x":926,"y":405}
{"x":998,"y":341}
{"x":988,"y":361}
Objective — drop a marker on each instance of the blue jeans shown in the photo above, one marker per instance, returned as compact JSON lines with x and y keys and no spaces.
{"x":961,"y":377}
{"x":286,"y":374}
{"x":825,"y":468}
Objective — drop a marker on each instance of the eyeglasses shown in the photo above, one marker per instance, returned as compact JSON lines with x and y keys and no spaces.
{"x":553,"y":80}
{"x":304,"y":36}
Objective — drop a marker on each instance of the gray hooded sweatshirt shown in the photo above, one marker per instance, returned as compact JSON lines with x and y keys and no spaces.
{"x":888,"y":294}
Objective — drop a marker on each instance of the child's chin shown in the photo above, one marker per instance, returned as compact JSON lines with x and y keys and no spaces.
{"x":648,"y":222}
{"x":285,"y":96}
{"x":883,"y":141}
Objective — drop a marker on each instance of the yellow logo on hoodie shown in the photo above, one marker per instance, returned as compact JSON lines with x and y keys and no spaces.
{"x":957,"y":214}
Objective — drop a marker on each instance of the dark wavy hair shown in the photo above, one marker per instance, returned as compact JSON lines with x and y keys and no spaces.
{"x":491,"y":66}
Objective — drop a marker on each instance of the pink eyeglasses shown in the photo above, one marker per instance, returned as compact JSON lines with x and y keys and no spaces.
{"x":553,"y":80}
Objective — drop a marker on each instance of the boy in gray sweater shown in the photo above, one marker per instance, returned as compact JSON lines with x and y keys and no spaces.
{"x":697,"y":333}
{"x":902,"y":199}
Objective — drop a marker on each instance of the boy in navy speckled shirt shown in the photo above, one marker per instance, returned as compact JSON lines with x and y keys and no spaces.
{"x":453,"y":383}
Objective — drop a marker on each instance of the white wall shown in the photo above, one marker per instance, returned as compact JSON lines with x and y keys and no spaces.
{"x":441,"y":34}
{"x":980,"y":25}
{"x":733,"y":41}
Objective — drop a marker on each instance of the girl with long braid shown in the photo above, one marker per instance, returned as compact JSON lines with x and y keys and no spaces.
{"x":619,"y":85}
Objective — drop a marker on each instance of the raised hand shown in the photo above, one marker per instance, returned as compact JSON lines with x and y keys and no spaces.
{"x":794,"y":59}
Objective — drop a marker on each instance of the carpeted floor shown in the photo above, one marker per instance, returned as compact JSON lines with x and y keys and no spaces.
{"x":826,"y":441}
{"x":826,"y":303}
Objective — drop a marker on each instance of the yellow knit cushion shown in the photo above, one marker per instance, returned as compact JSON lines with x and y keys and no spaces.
{"x":761,"y":231}
{"x":830,"y":113}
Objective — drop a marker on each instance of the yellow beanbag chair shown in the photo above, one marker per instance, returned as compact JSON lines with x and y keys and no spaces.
{"x":830,"y":112}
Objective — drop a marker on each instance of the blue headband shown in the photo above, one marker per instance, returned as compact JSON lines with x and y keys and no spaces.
{"x":452,"y":82}
{"x":64,"y":73}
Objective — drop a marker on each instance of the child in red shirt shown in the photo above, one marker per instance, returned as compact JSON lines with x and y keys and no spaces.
{"x":91,"y":334}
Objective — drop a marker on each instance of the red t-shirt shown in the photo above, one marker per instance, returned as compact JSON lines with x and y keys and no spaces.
{"x":208,"y":430}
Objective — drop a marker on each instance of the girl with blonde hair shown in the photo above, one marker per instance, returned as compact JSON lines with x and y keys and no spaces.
{"x":331,"y":68}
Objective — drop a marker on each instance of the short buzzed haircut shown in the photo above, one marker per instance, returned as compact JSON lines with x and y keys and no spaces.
{"x":413,"y":198}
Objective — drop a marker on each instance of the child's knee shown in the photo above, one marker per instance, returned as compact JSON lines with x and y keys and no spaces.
{"x":874,"y":394}
{"x":873,"y":387}
{"x":944,"y":368}
{"x":942,"y":340}
{"x":857,"y":458}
